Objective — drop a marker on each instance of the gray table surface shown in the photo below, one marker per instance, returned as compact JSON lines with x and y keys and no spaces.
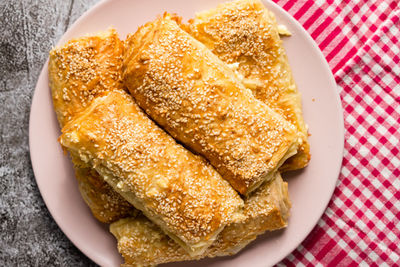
{"x":28,"y":234}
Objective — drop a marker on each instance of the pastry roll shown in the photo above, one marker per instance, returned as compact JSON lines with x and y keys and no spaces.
{"x":142,"y":243}
{"x":83,"y":69}
{"x":106,"y":205}
{"x":79,"y":71}
{"x":200,"y":101}
{"x":244,"y":34}
{"x":177,"y":190}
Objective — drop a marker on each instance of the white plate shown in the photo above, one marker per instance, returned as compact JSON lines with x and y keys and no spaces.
{"x":310,"y":189}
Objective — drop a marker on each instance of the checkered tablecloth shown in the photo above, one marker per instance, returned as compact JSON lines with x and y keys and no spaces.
{"x":361,"y":42}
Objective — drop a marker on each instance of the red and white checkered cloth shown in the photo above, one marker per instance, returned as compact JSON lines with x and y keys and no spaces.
{"x":361,"y":41}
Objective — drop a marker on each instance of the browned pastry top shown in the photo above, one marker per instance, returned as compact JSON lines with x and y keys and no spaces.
{"x":83,"y":69}
{"x":199,"y":100}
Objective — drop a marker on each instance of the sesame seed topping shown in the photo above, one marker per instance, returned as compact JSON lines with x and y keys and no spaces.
{"x":79,"y":71}
{"x":171,"y":184}
{"x":142,"y":242}
{"x":83,"y":69}
{"x":200,"y":101}
{"x":247,"y":34}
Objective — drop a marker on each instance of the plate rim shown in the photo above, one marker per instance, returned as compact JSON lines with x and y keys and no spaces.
{"x":321,"y":58}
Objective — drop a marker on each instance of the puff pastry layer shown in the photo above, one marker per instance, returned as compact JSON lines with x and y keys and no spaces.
{"x":142,"y":243}
{"x":245,"y":35}
{"x":201,"y":102}
{"x":80,"y":71}
{"x":174,"y":188}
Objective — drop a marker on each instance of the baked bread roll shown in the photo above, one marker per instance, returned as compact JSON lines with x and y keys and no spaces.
{"x":245,"y":34}
{"x":80,"y":71}
{"x":177,"y":190}
{"x":200,"y":101}
{"x":142,"y":243}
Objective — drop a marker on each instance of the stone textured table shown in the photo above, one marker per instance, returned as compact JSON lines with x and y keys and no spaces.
{"x":28,"y":234}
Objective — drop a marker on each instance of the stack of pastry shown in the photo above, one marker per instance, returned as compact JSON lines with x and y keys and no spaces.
{"x":179,"y":134}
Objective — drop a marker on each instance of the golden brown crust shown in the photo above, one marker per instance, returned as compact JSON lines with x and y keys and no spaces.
{"x":197,"y":99}
{"x":177,"y":190}
{"x":142,"y":243}
{"x":245,"y":34}
{"x":83,"y":69}
{"x":267,"y":208}
{"x":106,"y":205}
{"x":79,"y":71}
